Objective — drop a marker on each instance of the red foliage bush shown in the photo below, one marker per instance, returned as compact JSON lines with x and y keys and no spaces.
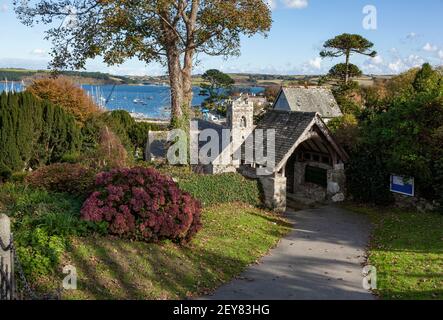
{"x":141,"y":203}
{"x":63,"y":177}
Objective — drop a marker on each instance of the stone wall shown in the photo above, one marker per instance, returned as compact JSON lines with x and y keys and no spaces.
{"x":415,"y":203}
{"x":336,"y":178}
{"x":274,"y":189}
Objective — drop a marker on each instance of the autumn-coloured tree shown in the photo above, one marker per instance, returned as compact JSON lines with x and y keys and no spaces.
{"x":345,"y":45}
{"x":110,"y":152}
{"x":271,"y":92}
{"x":65,"y":93}
{"x":169,"y":31}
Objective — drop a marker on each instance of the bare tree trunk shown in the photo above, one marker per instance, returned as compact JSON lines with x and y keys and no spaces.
{"x":175,"y":79}
{"x":190,"y":22}
{"x":187,"y":81}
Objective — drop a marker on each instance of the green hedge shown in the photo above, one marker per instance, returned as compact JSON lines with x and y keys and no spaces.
{"x":34,"y":132}
{"x":224,"y":188}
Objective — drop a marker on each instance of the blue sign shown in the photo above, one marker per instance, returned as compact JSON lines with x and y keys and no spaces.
{"x":403,"y":185}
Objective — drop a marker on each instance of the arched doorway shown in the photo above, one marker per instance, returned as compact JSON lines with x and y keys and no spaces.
{"x":310,"y":170}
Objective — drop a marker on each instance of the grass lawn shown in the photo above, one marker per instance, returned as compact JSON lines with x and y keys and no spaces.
{"x":407,"y":250}
{"x":233,"y":237}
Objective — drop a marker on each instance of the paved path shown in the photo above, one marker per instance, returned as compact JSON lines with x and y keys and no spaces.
{"x":321,"y":259}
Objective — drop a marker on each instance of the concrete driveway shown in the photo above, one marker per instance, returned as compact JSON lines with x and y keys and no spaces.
{"x":321,"y":259}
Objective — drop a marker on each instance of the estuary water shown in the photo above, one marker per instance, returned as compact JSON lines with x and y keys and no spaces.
{"x":142,"y":101}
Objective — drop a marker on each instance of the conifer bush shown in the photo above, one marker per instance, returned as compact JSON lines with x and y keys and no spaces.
{"x":74,"y":179}
{"x":34,"y":132}
{"x":141,"y":203}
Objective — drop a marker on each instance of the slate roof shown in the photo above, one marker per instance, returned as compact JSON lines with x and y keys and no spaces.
{"x":203,"y":125}
{"x":289,"y":127}
{"x":158,"y":147}
{"x":311,"y":99}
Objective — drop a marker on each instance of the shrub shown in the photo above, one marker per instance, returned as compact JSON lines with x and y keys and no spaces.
{"x":139,"y":133}
{"x":39,"y":252}
{"x":68,"y":224}
{"x":110,"y":152}
{"x":99,"y":128}
{"x":345,"y":130}
{"x":404,"y":139}
{"x":143,"y":204}
{"x":368,"y":177}
{"x":19,"y":177}
{"x":74,"y":179}
{"x":34,"y":132}
{"x":5,"y":173}
{"x":42,"y":223}
{"x":215,"y":189}
{"x":65,"y":93}
{"x":120,"y":122}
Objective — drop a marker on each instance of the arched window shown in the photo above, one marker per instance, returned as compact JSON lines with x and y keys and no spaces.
{"x":243,"y":122}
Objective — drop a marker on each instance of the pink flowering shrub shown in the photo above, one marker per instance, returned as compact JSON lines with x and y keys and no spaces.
{"x":143,"y":204}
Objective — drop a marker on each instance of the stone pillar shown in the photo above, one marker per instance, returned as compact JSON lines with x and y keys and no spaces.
{"x":274,"y":189}
{"x":6,"y":256}
{"x":337,"y":183}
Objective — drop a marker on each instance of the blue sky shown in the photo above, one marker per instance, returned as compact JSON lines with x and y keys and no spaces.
{"x":408,"y":33}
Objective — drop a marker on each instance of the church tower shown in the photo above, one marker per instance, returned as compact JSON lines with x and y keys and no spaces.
{"x":240,"y":119}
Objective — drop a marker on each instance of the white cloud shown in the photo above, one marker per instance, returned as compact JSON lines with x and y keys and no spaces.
{"x":440,"y":54}
{"x":400,"y":65}
{"x":39,"y":52}
{"x":377,"y":60}
{"x":373,"y":65}
{"x":272,"y":3}
{"x":315,"y":63}
{"x":414,"y":61}
{"x":430,"y":47}
{"x":396,"y":66}
{"x":292,"y":4}
{"x":296,"y":4}
{"x":411,"y":35}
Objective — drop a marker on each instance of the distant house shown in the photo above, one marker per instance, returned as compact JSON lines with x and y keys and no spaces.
{"x":310,"y":99}
{"x":258,"y":101}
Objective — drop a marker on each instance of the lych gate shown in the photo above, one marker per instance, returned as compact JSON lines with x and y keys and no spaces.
{"x":309,"y":163}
